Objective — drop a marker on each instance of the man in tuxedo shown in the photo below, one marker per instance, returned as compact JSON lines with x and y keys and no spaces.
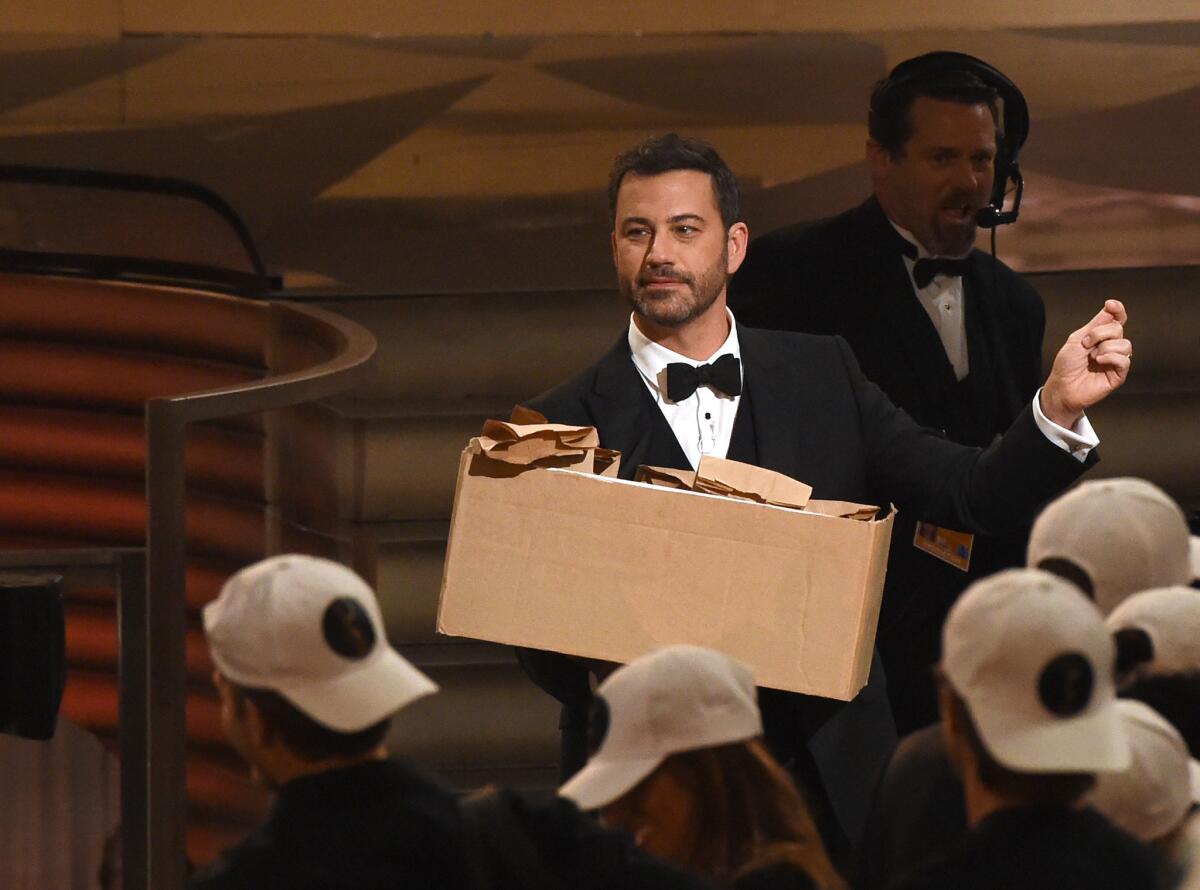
{"x":951,"y":335}
{"x":685,"y":380}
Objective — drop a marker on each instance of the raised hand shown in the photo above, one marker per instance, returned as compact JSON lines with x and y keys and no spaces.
{"x":1091,"y":364}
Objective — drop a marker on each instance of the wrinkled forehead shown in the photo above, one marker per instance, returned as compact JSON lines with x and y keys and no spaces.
{"x":661,"y":197}
{"x":942,"y":123}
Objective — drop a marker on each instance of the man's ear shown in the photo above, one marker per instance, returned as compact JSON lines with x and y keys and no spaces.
{"x":738,"y":241}
{"x":258,"y":730}
{"x":950,"y":707}
{"x":879,"y":159}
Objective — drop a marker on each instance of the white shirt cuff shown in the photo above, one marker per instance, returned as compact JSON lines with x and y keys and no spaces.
{"x":1078,"y":441}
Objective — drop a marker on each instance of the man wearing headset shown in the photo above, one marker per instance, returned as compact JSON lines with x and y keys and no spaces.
{"x":952,"y":335}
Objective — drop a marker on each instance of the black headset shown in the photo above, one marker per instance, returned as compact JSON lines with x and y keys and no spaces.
{"x":1015,"y":126}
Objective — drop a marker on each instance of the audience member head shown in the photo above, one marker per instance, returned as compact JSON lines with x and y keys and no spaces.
{"x":1157,"y":631}
{"x":307,"y":679}
{"x":1175,"y":696}
{"x":1028,"y":700}
{"x":1113,"y":537}
{"x":679,"y":764}
{"x":1150,"y":798}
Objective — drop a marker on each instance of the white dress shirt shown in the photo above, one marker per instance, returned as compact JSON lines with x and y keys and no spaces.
{"x":703,"y":422}
{"x":944,"y":303}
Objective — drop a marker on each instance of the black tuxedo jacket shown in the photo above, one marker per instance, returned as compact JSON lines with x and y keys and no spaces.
{"x":808,"y":411}
{"x":846,"y":276}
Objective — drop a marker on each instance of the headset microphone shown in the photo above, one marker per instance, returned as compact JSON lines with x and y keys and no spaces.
{"x":994,"y":214}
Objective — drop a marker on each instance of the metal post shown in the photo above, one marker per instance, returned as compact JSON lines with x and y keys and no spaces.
{"x":133,"y":727}
{"x":165,"y":662}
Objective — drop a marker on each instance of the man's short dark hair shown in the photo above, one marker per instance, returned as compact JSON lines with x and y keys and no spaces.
{"x":1045,"y":789}
{"x":306,"y":737}
{"x":662,"y":154}
{"x":889,"y":120}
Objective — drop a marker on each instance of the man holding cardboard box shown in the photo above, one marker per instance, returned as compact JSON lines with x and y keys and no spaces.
{"x":685,"y":381}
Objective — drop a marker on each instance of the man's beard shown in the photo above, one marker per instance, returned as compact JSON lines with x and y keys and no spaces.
{"x":681,"y":305}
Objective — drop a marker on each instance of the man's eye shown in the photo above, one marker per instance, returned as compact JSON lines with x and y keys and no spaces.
{"x":686,"y":230}
{"x":637,"y":233}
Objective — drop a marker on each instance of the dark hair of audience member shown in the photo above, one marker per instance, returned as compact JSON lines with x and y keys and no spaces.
{"x":1047,"y":789}
{"x":1176,"y":696}
{"x":663,"y":154}
{"x":749,"y":814}
{"x":303,"y":735}
{"x":889,"y":121}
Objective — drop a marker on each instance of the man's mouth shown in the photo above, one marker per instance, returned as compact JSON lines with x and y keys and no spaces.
{"x":661,"y":282}
{"x":959,"y":213}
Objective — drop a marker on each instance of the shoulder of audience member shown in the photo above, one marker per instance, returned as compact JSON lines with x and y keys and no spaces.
{"x":252,"y":864}
{"x":586,"y":855}
{"x":780,"y":876}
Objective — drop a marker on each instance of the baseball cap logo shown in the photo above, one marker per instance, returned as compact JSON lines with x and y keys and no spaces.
{"x":348,"y":629}
{"x":598,"y":721}
{"x":1066,"y":683}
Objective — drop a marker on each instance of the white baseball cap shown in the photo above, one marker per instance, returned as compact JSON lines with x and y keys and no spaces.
{"x":1031,"y":658}
{"x":679,"y":698}
{"x":1170,"y":618}
{"x":1126,"y":533}
{"x":1154,"y":794}
{"x":311,"y":630}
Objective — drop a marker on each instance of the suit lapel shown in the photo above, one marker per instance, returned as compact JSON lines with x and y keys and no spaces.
{"x":904,"y":319}
{"x":629,"y":420}
{"x":770,"y":387}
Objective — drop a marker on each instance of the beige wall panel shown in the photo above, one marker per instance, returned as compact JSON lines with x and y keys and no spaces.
{"x":1164,"y":319}
{"x":408,"y":577}
{"x":485,"y":716}
{"x":98,"y":17}
{"x":1153,"y":436}
{"x":453,"y":17}
{"x":410,"y":465}
{"x":496,"y":347}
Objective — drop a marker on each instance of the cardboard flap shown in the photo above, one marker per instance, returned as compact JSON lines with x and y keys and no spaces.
{"x":529,"y":444}
{"x":846,"y":510}
{"x":667,"y":477}
{"x":738,"y":480}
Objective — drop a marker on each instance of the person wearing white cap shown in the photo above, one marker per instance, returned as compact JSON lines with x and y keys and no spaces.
{"x":1158,"y":631}
{"x":308,"y":683}
{"x":1029,"y":718}
{"x":1152,"y":798}
{"x":1112,"y":538}
{"x":680,"y":765}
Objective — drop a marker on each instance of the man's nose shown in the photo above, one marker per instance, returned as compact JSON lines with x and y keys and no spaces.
{"x":657,"y":251}
{"x":966,"y":176}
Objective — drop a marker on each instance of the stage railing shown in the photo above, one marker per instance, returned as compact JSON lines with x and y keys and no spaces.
{"x":150,"y":584}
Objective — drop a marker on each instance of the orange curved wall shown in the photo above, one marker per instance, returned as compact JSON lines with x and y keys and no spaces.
{"x":78,"y":359}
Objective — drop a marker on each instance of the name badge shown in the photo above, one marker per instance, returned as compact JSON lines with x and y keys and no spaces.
{"x":946,"y":544}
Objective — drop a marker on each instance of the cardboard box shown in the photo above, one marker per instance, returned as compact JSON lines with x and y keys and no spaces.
{"x":603,"y":568}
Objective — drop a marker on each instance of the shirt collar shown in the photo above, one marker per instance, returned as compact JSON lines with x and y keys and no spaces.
{"x":651,"y":359}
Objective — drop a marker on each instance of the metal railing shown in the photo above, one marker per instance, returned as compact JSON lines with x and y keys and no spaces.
{"x":150,"y":584}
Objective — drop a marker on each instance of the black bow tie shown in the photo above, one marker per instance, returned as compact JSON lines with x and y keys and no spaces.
{"x":723,"y":375}
{"x":926,"y":268}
